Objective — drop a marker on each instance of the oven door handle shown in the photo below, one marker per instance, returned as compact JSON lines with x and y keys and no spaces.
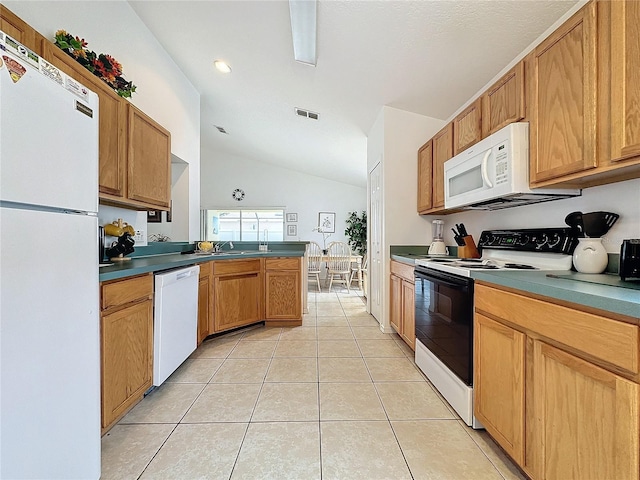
{"x":443,"y":278}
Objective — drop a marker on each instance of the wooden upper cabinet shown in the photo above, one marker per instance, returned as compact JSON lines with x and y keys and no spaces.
{"x":625,"y":80}
{"x":467,"y":127}
{"x":504,"y":102}
{"x":442,"y":151}
{"x":19,"y":30}
{"x":563,"y":99}
{"x":149,"y":160}
{"x":425,"y":176}
{"x":112,"y":121}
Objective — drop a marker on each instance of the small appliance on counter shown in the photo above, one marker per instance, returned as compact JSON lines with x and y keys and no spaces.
{"x":630,"y":259}
{"x":589,"y":255}
{"x":437,"y":246}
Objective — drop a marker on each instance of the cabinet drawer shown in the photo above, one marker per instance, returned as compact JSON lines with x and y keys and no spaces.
{"x":284,"y":263}
{"x":121,"y":292}
{"x":599,"y":337}
{"x":233,"y":267}
{"x":403,"y":271}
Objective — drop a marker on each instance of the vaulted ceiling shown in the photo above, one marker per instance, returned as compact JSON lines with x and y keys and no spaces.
{"x":427,"y":57}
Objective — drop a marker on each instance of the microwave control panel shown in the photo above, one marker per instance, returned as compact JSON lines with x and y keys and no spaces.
{"x":501,"y":153}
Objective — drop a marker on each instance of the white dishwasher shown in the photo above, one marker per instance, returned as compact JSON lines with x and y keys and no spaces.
{"x":175,"y":320}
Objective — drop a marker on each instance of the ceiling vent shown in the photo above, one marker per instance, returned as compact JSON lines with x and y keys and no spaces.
{"x":307,"y":114}
{"x":221,"y":130}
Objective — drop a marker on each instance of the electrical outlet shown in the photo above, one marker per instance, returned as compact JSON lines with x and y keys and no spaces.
{"x":139,"y":237}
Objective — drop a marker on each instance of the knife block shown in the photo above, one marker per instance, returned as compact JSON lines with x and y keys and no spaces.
{"x":469,"y":250}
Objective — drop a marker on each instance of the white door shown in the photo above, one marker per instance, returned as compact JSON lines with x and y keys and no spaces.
{"x":376,"y":282}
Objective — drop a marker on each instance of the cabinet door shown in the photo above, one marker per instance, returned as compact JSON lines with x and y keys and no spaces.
{"x":204,"y":308}
{"x":237,"y":300}
{"x":625,"y":78}
{"x":586,"y":418}
{"x":425,"y":176}
{"x":442,"y":151}
{"x":283,"y":296}
{"x":467,"y":127}
{"x":408,"y":314}
{"x":149,"y":161}
{"x":499,"y":383}
{"x":395,"y":304}
{"x":127,"y":356}
{"x":504,"y":102}
{"x":563,"y":110}
{"x":18,"y":29}
{"x":112,"y":121}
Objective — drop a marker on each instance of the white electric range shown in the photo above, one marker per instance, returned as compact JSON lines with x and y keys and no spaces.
{"x":444,"y":303}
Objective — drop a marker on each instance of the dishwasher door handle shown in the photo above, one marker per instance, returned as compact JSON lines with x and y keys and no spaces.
{"x":186,"y":274}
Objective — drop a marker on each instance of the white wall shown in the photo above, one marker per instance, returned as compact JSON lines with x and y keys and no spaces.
{"x":622,"y":198}
{"x":267,"y":185}
{"x":163,"y":92}
{"x":394,"y":140}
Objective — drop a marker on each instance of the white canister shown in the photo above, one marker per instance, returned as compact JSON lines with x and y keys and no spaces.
{"x":590,"y":256}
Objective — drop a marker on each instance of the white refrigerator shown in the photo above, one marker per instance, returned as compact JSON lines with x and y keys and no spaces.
{"x":49,"y":291}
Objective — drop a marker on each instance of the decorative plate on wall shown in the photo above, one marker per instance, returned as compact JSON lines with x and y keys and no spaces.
{"x":238,"y":194}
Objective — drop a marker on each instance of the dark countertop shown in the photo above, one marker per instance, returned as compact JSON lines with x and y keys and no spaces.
{"x":166,"y":261}
{"x":607,"y":296}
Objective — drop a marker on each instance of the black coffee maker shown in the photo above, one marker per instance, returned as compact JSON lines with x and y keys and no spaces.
{"x":630,"y":259}
{"x":123,"y":246}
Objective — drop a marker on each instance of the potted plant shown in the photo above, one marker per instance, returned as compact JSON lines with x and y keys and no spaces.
{"x":357,"y":232}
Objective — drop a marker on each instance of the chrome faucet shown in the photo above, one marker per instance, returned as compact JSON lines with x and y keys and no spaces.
{"x":218,"y":246}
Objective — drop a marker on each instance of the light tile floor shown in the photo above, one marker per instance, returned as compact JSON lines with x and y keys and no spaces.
{"x":334,"y":399}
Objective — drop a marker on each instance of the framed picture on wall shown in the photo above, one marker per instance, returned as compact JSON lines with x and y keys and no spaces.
{"x":292,"y":230}
{"x":327,"y":222}
{"x":154,"y":216}
{"x":292,"y":217}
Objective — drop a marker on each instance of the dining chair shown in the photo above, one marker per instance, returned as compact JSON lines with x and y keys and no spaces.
{"x":315,"y":261}
{"x":339,"y":263}
{"x":357,"y":270}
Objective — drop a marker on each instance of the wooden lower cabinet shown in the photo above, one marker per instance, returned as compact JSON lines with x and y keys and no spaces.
{"x":205,"y":302}
{"x":237,"y":293}
{"x":499,"y":383}
{"x":558,"y":387}
{"x":585,"y":418}
{"x":402,"y":302}
{"x":283,"y":291}
{"x":126,"y":345}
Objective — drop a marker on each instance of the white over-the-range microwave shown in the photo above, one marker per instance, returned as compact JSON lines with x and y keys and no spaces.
{"x":494,"y":174}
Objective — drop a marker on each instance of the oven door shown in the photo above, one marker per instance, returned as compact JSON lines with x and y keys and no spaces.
{"x":444,"y":319}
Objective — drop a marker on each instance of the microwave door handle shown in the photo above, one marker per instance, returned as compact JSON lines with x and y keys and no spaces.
{"x":483,"y":169}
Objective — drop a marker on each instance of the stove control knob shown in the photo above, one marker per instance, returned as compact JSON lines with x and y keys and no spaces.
{"x":487,"y":239}
{"x":541,"y":241}
{"x":523,"y":240}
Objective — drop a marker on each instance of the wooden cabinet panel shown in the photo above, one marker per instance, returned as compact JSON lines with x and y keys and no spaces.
{"x":19,"y":30}
{"x":425,"y":176}
{"x":127,"y":356}
{"x":586,"y":418}
{"x":234,"y":267}
{"x":395,"y":303}
{"x":283,"y":263}
{"x":402,"y":270}
{"x":612,"y":342}
{"x":442,"y":151}
{"x":112,"y":122}
{"x":563,"y":103}
{"x":204,"y":308}
{"x":504,"y":102}
{"x":467,"y":127}
{"x":499,"y":383}
{"x":237,"y":300}
{"x":283,"y":295}
{"x":149,"y":160}
{"x":408,"y":314}
{"x":625,"y":78}
{"x":121,"y":292}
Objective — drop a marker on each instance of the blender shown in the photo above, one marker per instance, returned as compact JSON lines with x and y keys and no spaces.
{"x":437,"y":246}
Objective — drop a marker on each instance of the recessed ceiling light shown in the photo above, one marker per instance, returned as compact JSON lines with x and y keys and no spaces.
{"x":222,"y":66}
